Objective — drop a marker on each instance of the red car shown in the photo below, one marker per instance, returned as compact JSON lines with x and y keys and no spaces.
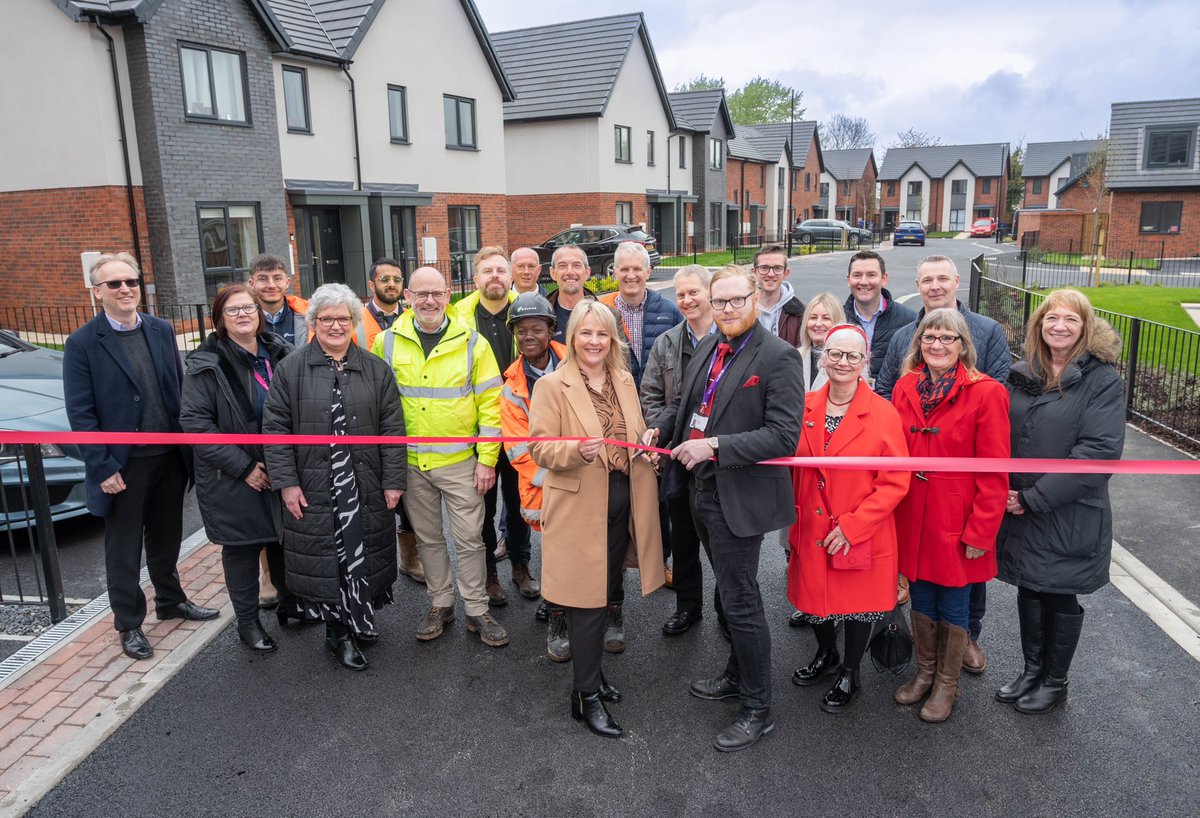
{"x":983,"y":227}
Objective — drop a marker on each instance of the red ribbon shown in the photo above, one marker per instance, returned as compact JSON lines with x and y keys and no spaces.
{"x":927,"y":464}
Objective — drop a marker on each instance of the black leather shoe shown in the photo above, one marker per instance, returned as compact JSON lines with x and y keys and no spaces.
{"x":843,"y":693}
{"x":187,"y":610}
{"x":716,"y":689}
{"x":679,"y":622}
{"x":748,"y":726}
{"x":589,"y":709}
{"x":608,"y":693}
{"x":797,"y":619}
{"x":823,"y":663}
{"x":723,"y":624}
{"x":346,"y":651}
{"x":367,"y":637}
{"x":135,"y":644}
{"x":541,"y":613}
{"x":254,"y":637}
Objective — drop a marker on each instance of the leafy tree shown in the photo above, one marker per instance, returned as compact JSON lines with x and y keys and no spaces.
{"x":912,"y":138}
{"x":700,"y":83}
{"x":762,"y":101}
{"x":843,"y":132}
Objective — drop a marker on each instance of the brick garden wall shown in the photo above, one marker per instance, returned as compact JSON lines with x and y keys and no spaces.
{"x":534,"y":218}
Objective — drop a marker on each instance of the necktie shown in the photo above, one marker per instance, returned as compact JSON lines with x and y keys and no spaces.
{"x":723,"y":352}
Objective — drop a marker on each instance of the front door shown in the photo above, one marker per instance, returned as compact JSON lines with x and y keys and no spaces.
{"x":733,"y":227}
{"x":325,"y":237}
{"x":404,"y":238}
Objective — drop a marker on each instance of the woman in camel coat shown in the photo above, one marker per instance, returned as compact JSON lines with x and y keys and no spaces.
{"x":599,"y":501}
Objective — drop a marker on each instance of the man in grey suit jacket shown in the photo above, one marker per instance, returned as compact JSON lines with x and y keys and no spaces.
{"x":741,"y":402}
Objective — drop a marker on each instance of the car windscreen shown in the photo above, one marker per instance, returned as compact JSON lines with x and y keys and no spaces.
{"x":983,"y":222}
{"x":637,"y":235}
{"x":910,"y":226}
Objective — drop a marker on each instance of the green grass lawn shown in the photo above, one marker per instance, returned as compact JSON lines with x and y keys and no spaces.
{"x":1080,"y":260}
{"x":943,"y":234}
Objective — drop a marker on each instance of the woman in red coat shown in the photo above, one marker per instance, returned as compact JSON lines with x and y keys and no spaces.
{"x":948,"y":522}
{"x":843,"y":566}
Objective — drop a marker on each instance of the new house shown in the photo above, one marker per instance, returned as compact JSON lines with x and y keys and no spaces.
{"x":848,"y":186}
{"x":945,"y":187}
{"x":1051,"y":167}
{"x":750,"y":187}
{"x":704,"y":116}
{"x":794,"y":149}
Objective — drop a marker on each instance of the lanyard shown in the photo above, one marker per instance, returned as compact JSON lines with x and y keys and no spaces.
{"x":265,"y":384}
{"x":706,"y":399}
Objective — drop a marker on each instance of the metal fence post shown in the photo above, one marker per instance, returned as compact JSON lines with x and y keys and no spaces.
{"x":1131,"y":365}
{"x":200,"y":322}
{"x":1129,"y":278}
{"x":1027,"y":309}
{"x":1024,"y":266}
{"x":47,"y":544}
{"x":975,"y":283}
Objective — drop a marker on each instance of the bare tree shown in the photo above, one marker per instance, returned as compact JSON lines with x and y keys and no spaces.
{"x":1093,"y":180}
{"x":912,"y":138}
{"x":841,"y":132}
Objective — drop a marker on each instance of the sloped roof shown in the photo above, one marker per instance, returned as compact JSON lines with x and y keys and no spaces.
{"x":697,"y":111}
{"x":770,"y":140}
{"x":848,"y":164}
{"x":568,"y":70}
{"x":109,"y":11}
{"x":1041,"y":158}
{"x":740,"y":147}
{"x":938,"y":160}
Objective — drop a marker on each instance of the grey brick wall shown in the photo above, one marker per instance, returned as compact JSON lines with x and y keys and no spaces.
{"x":187,"y":162}
{"x":708,"y":184}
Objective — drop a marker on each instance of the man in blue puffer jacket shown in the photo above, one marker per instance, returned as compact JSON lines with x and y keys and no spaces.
{"x":644,"y":313}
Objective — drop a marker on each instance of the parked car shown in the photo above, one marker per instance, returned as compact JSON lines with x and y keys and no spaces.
{"x":599,"y":242}
{"x":829,"y":231}
{"x":908,"y":232}
{"x":985,"y":227}
{"x":31,"y":400}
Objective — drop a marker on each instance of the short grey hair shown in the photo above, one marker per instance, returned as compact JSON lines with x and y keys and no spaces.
{"x":632,"y":248}
{"x":935,"y":259}
{"x":333,"y":295}
{"x":695,"y":271}
{"x":109,"y":258}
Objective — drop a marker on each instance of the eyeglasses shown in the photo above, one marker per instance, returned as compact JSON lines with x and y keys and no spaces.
{"x":245,"y":309}
{"x":945,"y":340}
{"x":426,"y":295}
{"x":390,"y":279}
{"x":329,"y":322}
{"x":118,"y":283}
{"x":276,"y":279}
{"x":737,"y":302}
{"x":774,"y":270}
{"x":836,"y":356}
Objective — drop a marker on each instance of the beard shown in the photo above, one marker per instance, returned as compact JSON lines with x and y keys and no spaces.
{"x":494,"y":292}
{"x":740,"y":328}
{"x":386,"y":299}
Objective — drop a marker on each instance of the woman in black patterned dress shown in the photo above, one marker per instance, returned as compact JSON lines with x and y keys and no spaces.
{"x":339,"y":500}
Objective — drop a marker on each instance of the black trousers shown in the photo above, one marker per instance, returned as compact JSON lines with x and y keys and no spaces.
{"x":858,"y":635}
{"x":977,"y":609}
{"x":585,"y":626}
{"x":689,"y":574}
{"x":149,"y":511}
{"x":1054,"y":603}
{"x":241,"y":576}
{"x":516,"y":529}
{"x":735,"y":565}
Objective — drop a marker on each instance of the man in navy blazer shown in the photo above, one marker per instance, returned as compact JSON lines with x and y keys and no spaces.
{"x":122,"y":373}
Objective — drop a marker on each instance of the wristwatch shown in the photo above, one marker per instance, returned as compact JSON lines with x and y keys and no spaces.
{"x":712,"y":441}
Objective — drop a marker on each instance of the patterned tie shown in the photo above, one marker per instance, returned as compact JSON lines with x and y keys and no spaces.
{"x":723,"y":352}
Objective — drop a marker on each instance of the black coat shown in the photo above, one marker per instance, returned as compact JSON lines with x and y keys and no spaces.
{"x":300,"y":403}
{"x":233,"y":513}
{"x":1063,"y":542}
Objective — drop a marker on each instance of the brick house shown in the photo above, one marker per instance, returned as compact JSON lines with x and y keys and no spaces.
{"x":749,"y":184}
{"x":796,"y":190}
{"x":1050,"y":168}
{"x":1153,"y":176}
{"x":705,"y":115}
{"x":848,"y":186}
{"x":945,"y":187}
{"x":590,"y":137}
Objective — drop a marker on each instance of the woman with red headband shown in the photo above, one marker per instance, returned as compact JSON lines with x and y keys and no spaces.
{"x":843,"y":566}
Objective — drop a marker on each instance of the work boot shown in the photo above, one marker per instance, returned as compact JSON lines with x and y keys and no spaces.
{"x":1030,"y":616}
{"x":491,"y":632}
{"x":614,"y":629}
{"x":410,"y":561}
{"x":501,"y":552}
{"x":1061,"y":639}
{"x":974,"y":662}
{"x":924,"y":633}
{"x":951,"y":644}
{"x":526,"y":584}
{"x":434,"y":623}
{"x":558,"y":640}
{"x":495,"y":593}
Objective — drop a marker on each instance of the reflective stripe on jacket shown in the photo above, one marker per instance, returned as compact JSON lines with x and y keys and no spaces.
{"x":455,"y":392}
{"x":514,"y":422}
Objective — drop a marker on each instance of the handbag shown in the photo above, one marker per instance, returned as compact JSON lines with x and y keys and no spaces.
{"x":891,"y":643}
{"x":857,"y":558}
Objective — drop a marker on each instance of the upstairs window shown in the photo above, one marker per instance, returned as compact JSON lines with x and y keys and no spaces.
{"x":1037,"y":187}
{"x":398,"y":113}
{"x":649,"y":147}
{"x":891,"y":189}
{"x":716,"y":153}
{"x":1170,"y":147}
{"x":915,"y":188}
{"x":987,"y":185}
{"x":622,"y":134}
{"x":214,"y":84}
{"x":295,"y":99}
{"x":460,"y":122}
{"x":683,"y":152}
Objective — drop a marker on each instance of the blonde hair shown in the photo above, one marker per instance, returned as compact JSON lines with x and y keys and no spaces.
{"x":487,"y":252}
{"x":735,"y":271}
{"x":109,"y":258}
{"x":948,"y":318}
{"x":830,"y":303}
{"x":1037,"y":353}
{"x":618,"y":351}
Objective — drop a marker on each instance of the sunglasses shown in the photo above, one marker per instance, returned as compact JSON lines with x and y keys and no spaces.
{"x":118,"y":283}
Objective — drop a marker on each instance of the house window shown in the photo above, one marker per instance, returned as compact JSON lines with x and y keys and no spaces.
{"x":781,"y":177}
{"x":649,"y":147}
{"x":714,"y":228}
{"x":683,"y":152}
{"x":464,"y":238}
{"x":808,"y":181}
{"x":891,"y":189}
{"x":624,"y":212}
{"x":846,"y":187}
{"x":1170,"y":147}
{"x":621,"y":136}
{"x":987,"y":186}
{"x":958,"y":187}
{"x":1161,"y":217}
{"x":958,"y":219}
{"x":824,"y":189}
{"x":229,"y":238}
{"x":795,"y":179}
{"x":398,"y":113}
{"x":295,"y":99}
{"x":214,"y":84}
{"x":1037,"y":186}
{"x":914,"y":188}
{"x":762,"y":176}
{"x":716,"y":153}
{"x":460,"y":122}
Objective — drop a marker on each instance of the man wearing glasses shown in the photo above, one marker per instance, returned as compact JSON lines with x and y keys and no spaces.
{"x":741,"y":402}
{"x":450,"y":386}
{"x":122,"y":373}
{"x":779,"y":310}
{"x":283,"y":314}
{"x":385,"y":280}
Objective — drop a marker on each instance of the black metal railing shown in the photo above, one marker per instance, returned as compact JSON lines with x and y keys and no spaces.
{"x":1043,"y":262}
{"x":740,"y":249}
{"x":29,"y":570}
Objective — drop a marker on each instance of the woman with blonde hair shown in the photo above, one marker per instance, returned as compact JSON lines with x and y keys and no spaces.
{"x":822,"y":314}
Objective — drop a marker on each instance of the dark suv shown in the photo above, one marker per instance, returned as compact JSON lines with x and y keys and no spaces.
{"x":599,"y":242}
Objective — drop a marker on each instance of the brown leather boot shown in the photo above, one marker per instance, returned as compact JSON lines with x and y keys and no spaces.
{"x":526,"y":584}
{"x":973,"y":660}
{"x":924,"y":633}
{"x":495,"y":593}
{"x":410,"y":562}
{"x":951,"y":644}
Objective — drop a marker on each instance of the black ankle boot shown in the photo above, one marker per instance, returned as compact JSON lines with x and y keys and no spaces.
{"x":843,"y":693}
{"x":826,"y":661}
{"x":589,"y":708}
{"x":341,"y":644}
{"x":254,"y":637}
{"x":1030,"y":616}
{"x":608,"y":693}
{"x":1061,"y":638}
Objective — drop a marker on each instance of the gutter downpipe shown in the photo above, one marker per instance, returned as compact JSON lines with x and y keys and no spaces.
{"x":354,"y":124}
{"x":133,"y":222}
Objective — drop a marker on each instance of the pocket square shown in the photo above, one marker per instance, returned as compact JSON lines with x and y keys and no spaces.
{"x":751,"y":381}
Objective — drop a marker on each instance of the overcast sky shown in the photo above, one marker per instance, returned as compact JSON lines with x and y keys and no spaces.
{"x":1012,"y":71}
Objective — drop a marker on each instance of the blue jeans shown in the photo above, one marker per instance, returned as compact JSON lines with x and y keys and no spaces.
{"x":940,"y":603}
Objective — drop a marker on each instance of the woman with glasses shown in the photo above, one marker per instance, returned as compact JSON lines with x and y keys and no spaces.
{"x":224,"y":388}
{"x":339,"y":500}
{"x":948,"y":522}
{"x":843,"y":564}
{"x":822,"y":314}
